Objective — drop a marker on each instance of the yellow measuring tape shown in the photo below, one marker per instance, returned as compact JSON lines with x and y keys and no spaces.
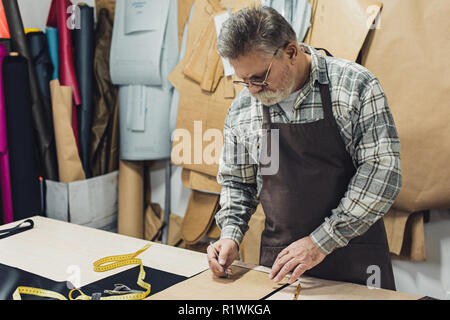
{"x":99,"y":266}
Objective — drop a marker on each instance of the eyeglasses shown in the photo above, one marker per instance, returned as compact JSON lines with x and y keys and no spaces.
{"x":259,"y":83}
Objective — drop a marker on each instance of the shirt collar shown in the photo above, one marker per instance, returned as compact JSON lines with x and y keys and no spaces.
{"x":318,"y":66}
{"x":318,"y":73}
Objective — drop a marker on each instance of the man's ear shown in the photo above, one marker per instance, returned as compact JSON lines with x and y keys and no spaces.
{"x":292,"y":52}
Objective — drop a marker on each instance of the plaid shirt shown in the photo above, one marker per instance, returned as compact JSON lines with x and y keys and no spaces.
{"x":367,"y":130}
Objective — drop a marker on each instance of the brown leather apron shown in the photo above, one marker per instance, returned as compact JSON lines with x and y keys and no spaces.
{"x":314,"y":173}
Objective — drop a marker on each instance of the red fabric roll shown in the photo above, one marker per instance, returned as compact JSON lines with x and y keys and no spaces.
{"x":58,"y":18}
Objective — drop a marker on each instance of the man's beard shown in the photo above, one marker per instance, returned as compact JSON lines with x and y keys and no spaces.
{"x":269,"y":97}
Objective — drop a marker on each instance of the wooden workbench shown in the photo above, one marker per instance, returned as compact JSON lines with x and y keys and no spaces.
{"x":52,"y":248}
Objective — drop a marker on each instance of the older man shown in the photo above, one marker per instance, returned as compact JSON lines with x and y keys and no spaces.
{"x":338,"y":157}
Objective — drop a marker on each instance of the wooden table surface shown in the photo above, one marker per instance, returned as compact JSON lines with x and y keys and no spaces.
{"x":56,"y":249}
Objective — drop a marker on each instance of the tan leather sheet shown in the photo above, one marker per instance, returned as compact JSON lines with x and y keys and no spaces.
{"x":209,"y":109}
{"x":342,"y":26}
{"x":405,"y":233}
{"x":409,"y":55}
{"x":69,"y":163}
{"x":200,"y":181}
{"x":244,"y":284}
{"x":199,"y":216}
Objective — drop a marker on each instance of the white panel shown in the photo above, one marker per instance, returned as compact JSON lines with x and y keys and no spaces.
{"x":430,"y":277}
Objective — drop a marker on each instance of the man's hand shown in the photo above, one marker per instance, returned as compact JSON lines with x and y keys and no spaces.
{"x":299,"y":256}
{"x":228,"y":252}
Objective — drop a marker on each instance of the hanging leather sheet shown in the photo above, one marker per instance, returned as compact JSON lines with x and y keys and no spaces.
{"x":104,"y":143}
{"x":84,"y":62}
{"x":41,"y":111}
{"x":39,"y":54}
{"x":199,"y":216}
{"x":69,"y":163}
{"x":416,"y":97}
{"x":59,"y":18}
{"x":18,"y":105}
{"x":145,"y":109}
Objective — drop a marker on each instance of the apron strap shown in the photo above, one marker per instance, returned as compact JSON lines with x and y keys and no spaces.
{"x":326,"y":51}
{"x":326,"y":101}
{"x":266,"y":115}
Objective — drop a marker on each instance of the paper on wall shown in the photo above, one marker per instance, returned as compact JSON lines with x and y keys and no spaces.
{"x":144,"y":110}
{"x":176,"y":94}
{"x":136,"y":57}
{"x":138,"y":15}
{"x":197,"y":106}
{"x":409,"y":55}
{"x":136,"y":108}
{"x":350,"y":22}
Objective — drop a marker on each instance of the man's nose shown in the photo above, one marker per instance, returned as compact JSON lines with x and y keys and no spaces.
{"x":254,"y":89}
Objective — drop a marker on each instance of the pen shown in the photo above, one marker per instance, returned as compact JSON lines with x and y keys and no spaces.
{"x":297,"y":291}
{"x":41,"y":186}
{"x":217,"y":256}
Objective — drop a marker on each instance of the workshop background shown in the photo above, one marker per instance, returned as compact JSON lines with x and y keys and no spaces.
{"x":91,"y":116}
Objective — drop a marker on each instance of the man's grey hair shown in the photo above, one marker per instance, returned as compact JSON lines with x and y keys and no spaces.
{"x":260,"y":29}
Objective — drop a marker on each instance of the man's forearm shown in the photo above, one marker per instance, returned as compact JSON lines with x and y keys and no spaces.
{"x":238,"y":202}
{"x":361,"y":207}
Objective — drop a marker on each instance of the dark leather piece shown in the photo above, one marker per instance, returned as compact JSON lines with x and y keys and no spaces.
{"x":104,"y":153}
{"x":25,"y":189}
{"x":40,"y":57}
{"x":7,"y":43}
{"x":41,"y":111}
{"x":84,"y":64}
{"x":11,"y":278}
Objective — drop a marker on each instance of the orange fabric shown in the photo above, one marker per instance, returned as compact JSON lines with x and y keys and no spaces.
{"x":4,"y":31}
